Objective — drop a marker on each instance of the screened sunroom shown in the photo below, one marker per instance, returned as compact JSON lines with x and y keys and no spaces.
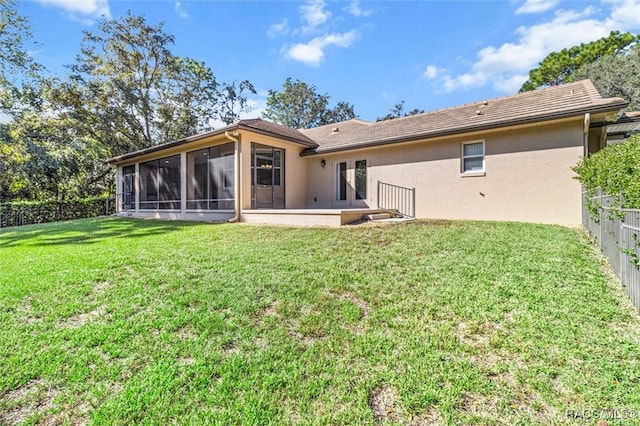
{"x":158,"y":185}
{"x":219,"y":175}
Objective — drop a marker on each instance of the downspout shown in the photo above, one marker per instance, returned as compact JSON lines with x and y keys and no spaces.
{"x":238,"y":176}
{"x":585,"y":134}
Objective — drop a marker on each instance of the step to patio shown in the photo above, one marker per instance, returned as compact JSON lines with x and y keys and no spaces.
{"x":378,"y":216}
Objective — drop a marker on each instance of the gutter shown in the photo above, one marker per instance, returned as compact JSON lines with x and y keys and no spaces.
{"x":237,"y":175}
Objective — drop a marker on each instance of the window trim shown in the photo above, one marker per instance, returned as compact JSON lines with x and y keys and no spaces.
{"x":470,"y":173}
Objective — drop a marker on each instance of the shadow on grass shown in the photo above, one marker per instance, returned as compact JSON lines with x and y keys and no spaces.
{"x":87,"y":231}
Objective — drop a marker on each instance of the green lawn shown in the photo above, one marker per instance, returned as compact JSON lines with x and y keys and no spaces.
{"x":119,"y":321}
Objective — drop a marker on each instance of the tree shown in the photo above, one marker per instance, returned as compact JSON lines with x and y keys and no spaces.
{"x":398,"y":111}
{"x":47,"y":158}
{"x":128,"y":91}
{"x":15,"y":62}
{"x":558,"y":66}
{"x":12,"y":156}
{"x":188,"y":101}
{"x":615,"y":75}
{"x":233,"y":101}
{"x":298,"y":105}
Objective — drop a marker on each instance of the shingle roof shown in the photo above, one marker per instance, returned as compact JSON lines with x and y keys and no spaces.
{"x":261,"y":126}
{"x":256,"y":125}
{"x":566,"y":100}
{"x":562,"y":101}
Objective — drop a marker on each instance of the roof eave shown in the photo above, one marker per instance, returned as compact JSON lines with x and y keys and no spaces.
{"x":309,"y":143}
{"x":195,"y":138}
{"x":157,"y":148}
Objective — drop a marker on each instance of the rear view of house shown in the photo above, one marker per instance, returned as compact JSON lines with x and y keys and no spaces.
{"x":503,"y":159}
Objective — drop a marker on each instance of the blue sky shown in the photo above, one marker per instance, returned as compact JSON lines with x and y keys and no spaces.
{"x":372,"y":54}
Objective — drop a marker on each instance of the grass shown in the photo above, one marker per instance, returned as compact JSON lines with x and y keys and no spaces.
{"x":119,"y":321}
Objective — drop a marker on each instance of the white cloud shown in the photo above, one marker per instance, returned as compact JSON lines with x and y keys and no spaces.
{"x":278,"y":29}
{"x":536,"y":6}
{"x":357,"y":11}
{"x":316,"y":20}
{"x":625,"y":15}
{"x":180,"y":10}
{"x":312,"y":53}
{"x":83,"y":8}
{"x":431,"y":72}
{"x":510,"y":84}
{"x":314,"y":14}
{"x":506,"y":67}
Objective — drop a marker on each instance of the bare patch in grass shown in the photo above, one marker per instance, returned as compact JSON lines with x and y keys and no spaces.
{"x":626,"y":331}
{"x":530,"y":402}
{"x":35,"y":397}
{"x":383,"y":403}
{"x":185,"y":333}
{"x":471,"y":335}
{"x":269,"y":311}
{"x":70,"y":413}
{"x":101,"y":286}
{"x":26,"y":315}
{"x":261,"y":342}
{"x":302,"y":330}
{"x":479,"y":335}
{"x":485,"y":406}
{"x":86,"y":317}
{"x":183,"y":361}
{"x":306,"y":339}
{"x":431,"y":418}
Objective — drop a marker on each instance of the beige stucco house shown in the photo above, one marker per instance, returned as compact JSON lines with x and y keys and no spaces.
{"x":503,"y":159}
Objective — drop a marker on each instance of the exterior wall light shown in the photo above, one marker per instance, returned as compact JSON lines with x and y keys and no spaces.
{"x":322,"y":163}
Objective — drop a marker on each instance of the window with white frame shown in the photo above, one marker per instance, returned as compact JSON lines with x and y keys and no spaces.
{"x":472,"y":157}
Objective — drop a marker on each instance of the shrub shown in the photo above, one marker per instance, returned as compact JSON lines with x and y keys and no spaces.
{"x":616,"y":170}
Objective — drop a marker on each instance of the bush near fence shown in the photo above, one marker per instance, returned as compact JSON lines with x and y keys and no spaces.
{"x":32,"y":212}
